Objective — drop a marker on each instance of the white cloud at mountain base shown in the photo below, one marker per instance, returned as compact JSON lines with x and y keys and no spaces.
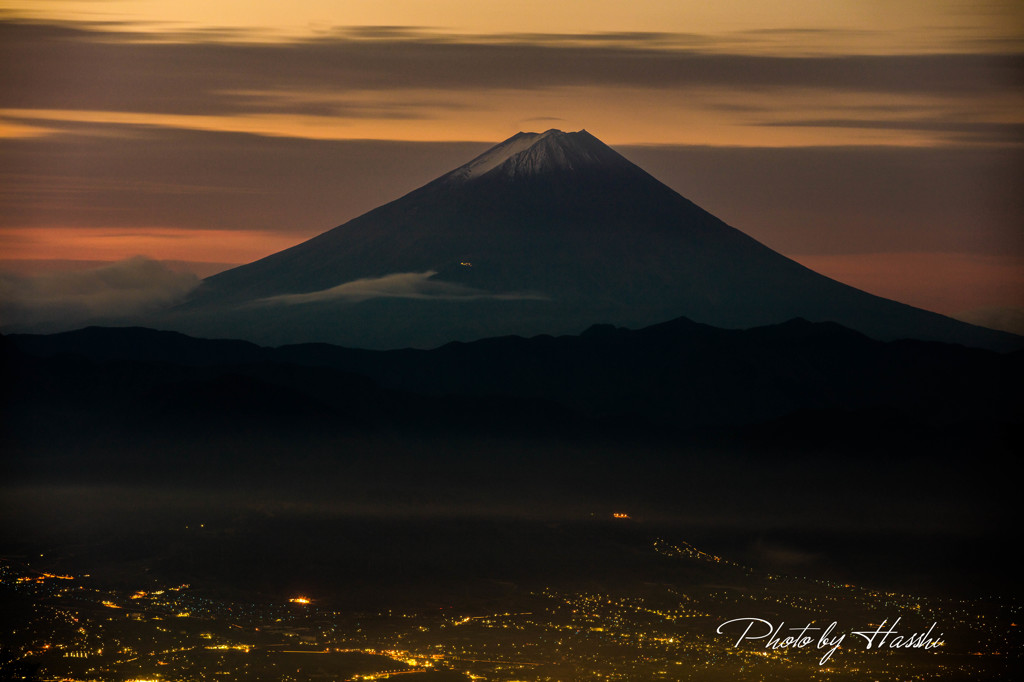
{"x":56,"y":301}
{"x":408,"y":285}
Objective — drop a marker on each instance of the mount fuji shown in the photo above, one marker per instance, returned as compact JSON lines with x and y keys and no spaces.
{"x":545,"y":233}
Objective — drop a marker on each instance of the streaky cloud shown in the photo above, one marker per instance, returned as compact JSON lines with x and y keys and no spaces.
{"x":112,"y":71}
{"x":1007,"y":132}
{"x":408,"y":285}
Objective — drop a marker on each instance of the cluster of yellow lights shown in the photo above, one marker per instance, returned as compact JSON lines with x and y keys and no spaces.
{"x":44,"y":576}
{"x":620,"y":515}
{"x":300,"y":600}
{"x":237,"y":647}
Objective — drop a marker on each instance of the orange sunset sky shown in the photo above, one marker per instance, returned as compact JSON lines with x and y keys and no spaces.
{"x":878,"y":142}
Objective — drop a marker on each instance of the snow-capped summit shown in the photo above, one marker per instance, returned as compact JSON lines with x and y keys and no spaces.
{"x":526,"y":154}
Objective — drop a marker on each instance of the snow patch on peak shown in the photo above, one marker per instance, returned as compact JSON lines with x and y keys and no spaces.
{"x":531,"y":153}
{"x":499,"y":154}
{"x":557,"y":150}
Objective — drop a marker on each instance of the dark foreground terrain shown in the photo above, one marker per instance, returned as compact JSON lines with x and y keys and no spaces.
{"x":581,"y":508}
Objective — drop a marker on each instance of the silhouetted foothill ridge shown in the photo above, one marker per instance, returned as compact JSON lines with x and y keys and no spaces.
{"x":678,"y":375}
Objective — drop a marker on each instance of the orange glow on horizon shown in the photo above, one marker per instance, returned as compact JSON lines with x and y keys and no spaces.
{"x":968,"y":281}
{"x":160,"y":243}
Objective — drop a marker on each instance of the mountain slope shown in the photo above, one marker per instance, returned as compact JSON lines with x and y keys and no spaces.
{"x":544,"y":233}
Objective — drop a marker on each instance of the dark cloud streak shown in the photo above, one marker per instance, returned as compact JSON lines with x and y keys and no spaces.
{"x":49,"y":66}
{"x":955,"y":130}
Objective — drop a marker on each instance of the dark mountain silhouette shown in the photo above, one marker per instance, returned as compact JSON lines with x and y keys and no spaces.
{"x":676,"y":375}
{"x":543,"y":234}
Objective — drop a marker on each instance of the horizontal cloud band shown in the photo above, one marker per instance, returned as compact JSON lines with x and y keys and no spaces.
{"x":408,"y":285}
{"x":57,"y":301}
